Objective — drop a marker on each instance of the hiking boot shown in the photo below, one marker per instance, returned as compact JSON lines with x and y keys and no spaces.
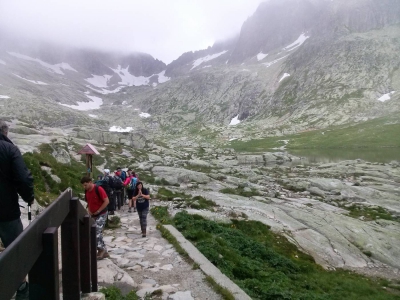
{"x":129,"y":210}
{"x":134,"y":209}
{"x":102,"y":254}
{"x":23,"y":294}
{"x":111,"y":213}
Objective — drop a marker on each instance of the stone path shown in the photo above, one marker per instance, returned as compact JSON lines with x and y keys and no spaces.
{"x":149,"y":264}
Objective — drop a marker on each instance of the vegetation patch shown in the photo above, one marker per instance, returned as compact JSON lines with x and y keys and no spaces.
{"x":380,"y":132}
{"x":114,"y":293}
{"x":113,"y":222}
{"x":46,"y":189}
{"x":196,"y":202}
{"x":369,"y":213}
{"x":267,"y":266}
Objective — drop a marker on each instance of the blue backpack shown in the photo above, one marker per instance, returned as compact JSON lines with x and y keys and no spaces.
{"x":132,"y":184}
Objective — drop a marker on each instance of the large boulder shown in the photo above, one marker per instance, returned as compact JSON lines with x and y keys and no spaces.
{"x":61,"y":155}
{"x":109,"y":274}
{"x":179,"y":175}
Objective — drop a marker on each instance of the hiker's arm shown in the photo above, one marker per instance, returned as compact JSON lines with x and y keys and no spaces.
{"x":145,"y":194}
{"x":103,"y":206}
{"x":22,"y":176}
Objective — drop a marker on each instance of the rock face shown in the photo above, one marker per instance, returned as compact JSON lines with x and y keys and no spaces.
{"x":329,"y":51}
{"x":177,"y":176}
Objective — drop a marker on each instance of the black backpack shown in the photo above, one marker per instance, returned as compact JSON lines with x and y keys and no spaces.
{"x":106,"y":184}
{"x":118,"y":184}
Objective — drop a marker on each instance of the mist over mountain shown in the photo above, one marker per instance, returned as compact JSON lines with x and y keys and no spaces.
{"x":296,"y":63}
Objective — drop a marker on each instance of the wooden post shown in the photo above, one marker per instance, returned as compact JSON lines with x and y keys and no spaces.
{"x":71,"y":281}
{"x":85,"y":252}
{"x":44,"y":275}
{"x":93,"y":256}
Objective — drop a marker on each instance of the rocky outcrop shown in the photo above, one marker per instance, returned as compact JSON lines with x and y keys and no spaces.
{"x":177,"y":175}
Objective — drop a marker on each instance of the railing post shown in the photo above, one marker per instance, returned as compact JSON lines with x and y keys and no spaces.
{"x":44,"y":275}
{"x":85,"y":254}
{"x":71,"y":280}
{"x":93,"y":256}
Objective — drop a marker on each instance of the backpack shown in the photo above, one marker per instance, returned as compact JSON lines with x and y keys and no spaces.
{"x":117,"y":183}
{"x":105,"y":184}
{"x":132,"y":184}
{"x":123,"y":175}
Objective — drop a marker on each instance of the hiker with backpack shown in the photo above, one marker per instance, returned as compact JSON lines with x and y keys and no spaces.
{"x":123,"y":176}
{"x":141,"y":197}
{"x":130,"y":184}
{"x":107,"y":183}
{"x":118,"y":189}
{"x":15,"y":179}
{"x":97,"y":201}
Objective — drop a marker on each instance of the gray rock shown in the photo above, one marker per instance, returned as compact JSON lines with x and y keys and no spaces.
{"x":177,"y":176}
{"x":181,"y":296}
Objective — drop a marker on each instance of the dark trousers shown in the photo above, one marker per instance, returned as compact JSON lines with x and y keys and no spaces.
{"x":111,"y":204}
{"x":143,"y":218}
{"x":118,"y":198}
{"x":10,"y":230}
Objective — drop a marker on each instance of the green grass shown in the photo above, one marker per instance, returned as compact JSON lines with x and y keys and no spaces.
{"x":267,"y":266}
{"x":114,"y":293}
{"x":381,"y":132}
{"x":369,"y":213}
{"x":196,"y":202}
{"x":46,"y":189}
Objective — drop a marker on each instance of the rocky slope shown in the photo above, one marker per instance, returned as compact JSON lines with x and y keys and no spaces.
{"x":296,"y":64}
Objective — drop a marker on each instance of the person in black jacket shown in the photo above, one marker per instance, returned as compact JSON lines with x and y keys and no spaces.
{"x":15,"y":179}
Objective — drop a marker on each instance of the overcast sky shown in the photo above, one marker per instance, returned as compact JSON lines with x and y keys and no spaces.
{"x":162,"y":28}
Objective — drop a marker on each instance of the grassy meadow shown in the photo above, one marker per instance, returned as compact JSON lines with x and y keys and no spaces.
{"x":267,"y":266}
{"x":373,"y":134}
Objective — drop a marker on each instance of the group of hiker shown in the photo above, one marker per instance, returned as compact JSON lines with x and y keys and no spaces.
{"x":109,"y":193}
{"x":103,"y":196}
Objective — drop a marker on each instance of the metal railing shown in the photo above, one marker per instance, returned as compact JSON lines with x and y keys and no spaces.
{"x":35,"y":252}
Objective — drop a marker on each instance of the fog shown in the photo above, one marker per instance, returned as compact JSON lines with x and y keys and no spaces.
{"x":163,"y":28}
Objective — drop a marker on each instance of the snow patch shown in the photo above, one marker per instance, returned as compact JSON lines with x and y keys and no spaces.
{"x":129,"y":79}
{"x":268,"y":64}
{"x":104,"y":91}
{"x":4,"y":97}
{"x":261,"y":56}
{"x":162,"y":78}
{"x":235,"y":121}
{"x":120,"y":129}
{"x":297,"y":43}
{"x":199,"y":61}
{"x":2,"y":62}
{"x":94,"y":104}
{"x":94,"y":116}
{"x":55,"y":68}
{"x":144,"y":115}
{"x":99,"y":81}
{"x":284,"y":76}
{"x":124,"y":102}
{"x":386,"y":97}
{"x":32,"y":81}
